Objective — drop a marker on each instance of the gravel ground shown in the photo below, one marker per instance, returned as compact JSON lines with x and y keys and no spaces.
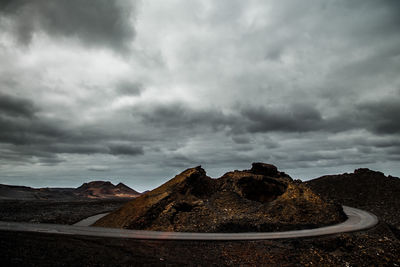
{"x":376,"y":247}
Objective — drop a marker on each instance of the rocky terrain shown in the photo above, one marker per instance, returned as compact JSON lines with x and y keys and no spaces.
{"x":257,"y":200}
{"x":365,"y":189}
{"x":8,"y":192}
{"x":369,"y":190}
{"x":61,"y":205}
{"x":92,"y":190}
{"x":60,"y":212}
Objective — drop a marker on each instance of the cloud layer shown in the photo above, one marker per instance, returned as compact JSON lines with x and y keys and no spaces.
{"x":106,"y":23}
{"x":137,"y":91}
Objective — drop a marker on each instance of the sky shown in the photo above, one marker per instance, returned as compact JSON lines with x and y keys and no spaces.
{"x":138,"y":91}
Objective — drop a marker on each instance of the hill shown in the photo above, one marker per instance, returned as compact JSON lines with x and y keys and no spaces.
{"x":91,"y":190}
{"x":364,"y":189}
{"x":260,"y":199}
{"x":105,"y":189}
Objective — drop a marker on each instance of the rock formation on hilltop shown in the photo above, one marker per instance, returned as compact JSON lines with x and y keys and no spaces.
{"x":260,"y":199}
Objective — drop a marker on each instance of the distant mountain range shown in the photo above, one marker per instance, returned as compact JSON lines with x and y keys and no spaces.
{"x":91,"y":190}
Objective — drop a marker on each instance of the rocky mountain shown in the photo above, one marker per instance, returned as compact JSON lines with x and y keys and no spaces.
{"x":259,"y":199}
{"x":91,"y":190}
{"x":364,"y":189}
{"x":105,"y":189}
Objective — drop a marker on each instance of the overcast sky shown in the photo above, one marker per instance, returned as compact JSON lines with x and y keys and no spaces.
{"x":139,"y":91}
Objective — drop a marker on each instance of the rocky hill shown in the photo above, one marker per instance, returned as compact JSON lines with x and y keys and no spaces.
{"x":105,"y":189}
{"x":364,"y":189}
{"x":259,"y":199}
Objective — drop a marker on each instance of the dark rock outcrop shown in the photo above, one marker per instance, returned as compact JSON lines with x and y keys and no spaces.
{"x":259,"y":199}
{"x":264,"y":169}
{"x":365,"y":189}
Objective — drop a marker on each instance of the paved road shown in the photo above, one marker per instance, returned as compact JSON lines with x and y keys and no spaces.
{"x":91,"y":220}
{"x":357,"y":220}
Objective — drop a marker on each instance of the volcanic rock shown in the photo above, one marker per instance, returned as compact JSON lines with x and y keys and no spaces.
{"x":365,"y":189}
{"x":259,"y":199}
{"x":264,"y":168}
{"x":104,"y":189}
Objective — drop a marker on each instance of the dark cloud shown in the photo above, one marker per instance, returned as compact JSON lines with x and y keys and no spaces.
{"x":382,"y":117}
{"x":22,"y":154}
{"x":376,"y":117}
{"x":25,"y":134}
{"x":298,"y":118}
{"x":14,"y":106}
{"x":386,"y":142}
{"x":126,"y":150}
{"x":100,"y":23}
{"x":20,"y":125}
{"x":179,"y":115}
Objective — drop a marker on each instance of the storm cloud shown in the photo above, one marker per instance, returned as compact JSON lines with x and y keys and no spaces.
{"x":136,"y":91}
{"x":16,"y":107}
{"x":26,"y":134}
{"x":107,"y":23}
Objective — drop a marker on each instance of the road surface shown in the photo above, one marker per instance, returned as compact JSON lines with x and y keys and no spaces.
{"x":91,"y":220}
{"x":357,"y":220}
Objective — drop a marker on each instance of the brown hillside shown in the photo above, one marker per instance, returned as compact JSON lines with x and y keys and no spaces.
{"x":260,"y":199}
{"x":102,"y":189}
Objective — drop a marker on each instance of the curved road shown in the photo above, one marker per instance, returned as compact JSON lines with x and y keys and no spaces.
{"x":357,"y":220}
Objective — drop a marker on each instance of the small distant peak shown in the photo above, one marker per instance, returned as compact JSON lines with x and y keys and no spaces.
{"x":264,"y":169}
{"x":96,"y":184}
{"x":124,"y":187}
{"x":121,"y":185}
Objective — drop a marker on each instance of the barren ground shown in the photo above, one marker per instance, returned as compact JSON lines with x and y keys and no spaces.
{"x":49,"y":211}
{"x":376,"y":247}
